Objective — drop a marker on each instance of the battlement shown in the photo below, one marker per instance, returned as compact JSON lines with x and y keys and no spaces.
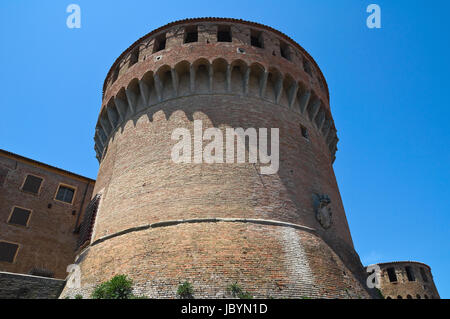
{"x":206,"y":31}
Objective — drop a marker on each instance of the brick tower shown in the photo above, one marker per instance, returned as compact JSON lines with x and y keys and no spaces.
{"x":406,"y":280}
{"x":162,"y":223}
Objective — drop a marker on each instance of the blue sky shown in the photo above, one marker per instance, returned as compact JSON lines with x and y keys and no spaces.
{"x":388,"y":90}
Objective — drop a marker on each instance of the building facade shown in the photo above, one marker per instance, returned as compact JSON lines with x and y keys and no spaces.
{"x":40,"y":210}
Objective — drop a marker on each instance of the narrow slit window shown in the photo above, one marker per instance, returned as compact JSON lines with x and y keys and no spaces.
{"x":410,"y":273}
{"x":224,"y":34}
{"x":32,"y":184}
{"x":115,"y":75}
{"x":19,"y":216}
{"x":424,"y":275}
{"x":392,"y":275}
{"x":304,"y":132}
{"x":65,"y":194}
{"x":191,"y":35}
{"x":307,"y":67}
{"x":285,"y":51}
{"x":256,"y":39}
{"x":160,"y":43}
{"x":8,"y":251}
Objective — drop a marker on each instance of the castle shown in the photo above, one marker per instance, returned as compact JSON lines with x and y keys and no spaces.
{"x":281,"y":235}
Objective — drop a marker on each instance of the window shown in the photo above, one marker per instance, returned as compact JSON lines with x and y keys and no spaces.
{"x":426,"y":296}
{"x":19,"y":216}
{"x":410,"y":273}
{"x":392,"y":275}
{"x":399,"y":297}
{"x":134,"y":58}
{"x":256,"y":39}
{"x":418,"y":297}
{"x":32,"y":184}
{"x":65,"y":194}
{"x":424,"y":275}
{"x":284,"y":51}
{"x":191,"y":34}
{"x":307,"y":67}
{"x":8,"y":251}
{"x":115,"y":75}
{"x":160,"y":43}
{"x":224,"y":34}
{"x":304,"y":132}
{"x":409,"y":297}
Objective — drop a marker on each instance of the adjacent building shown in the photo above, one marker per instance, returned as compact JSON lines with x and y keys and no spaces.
{"x":41,"y":207}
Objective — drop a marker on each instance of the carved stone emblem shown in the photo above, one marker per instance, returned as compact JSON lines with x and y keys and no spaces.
{"x":323,"y":210}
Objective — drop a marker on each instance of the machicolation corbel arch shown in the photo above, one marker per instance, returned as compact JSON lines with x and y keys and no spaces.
{"x":148,"y":73}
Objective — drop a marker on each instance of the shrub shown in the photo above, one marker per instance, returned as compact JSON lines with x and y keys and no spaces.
{"x":237,"y":292}
{"x":119,"y":287}
{"x":185,"y":291}
{"x":78,"y":296}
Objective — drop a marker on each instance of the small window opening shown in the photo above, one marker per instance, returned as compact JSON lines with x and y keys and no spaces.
{"x":32,"y":184}
{"x":19,"y":216}
{"x":307,"y":67}
{"x":392,"y":275}
{"x":160,"y":43}
{"x":115,"y":75}
{"x":134,"y":58}
{"x":284,"y":51}
{"x":8,"y":251}
{"x":410,"y":273}
{"x":191,"y":34}
{"x":65,"y":194}
{"x":424,"y":275}
{"x":256,"y":39}
{"x":224,"y":34}
{"x":304,"y":132}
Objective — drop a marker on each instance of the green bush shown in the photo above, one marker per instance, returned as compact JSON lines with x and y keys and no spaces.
{"x":78,"y":296}
{"x":119,"y":287}
{"x":185,"y":291}
{"x":237,"y":292}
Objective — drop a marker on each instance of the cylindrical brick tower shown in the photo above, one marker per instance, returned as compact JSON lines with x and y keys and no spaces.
{"x":406,"y":280}
{"x":163,"y":223}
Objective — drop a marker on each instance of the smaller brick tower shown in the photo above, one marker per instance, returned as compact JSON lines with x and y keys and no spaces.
{"x":407,"y":280}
